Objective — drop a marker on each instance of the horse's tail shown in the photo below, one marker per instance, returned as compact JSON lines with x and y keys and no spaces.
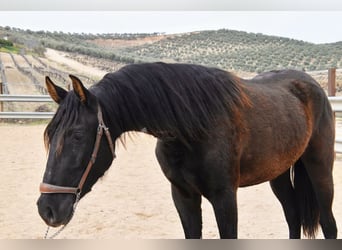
{"x":306,"y":200}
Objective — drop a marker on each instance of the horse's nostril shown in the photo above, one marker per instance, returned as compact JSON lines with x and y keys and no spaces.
{"x":46,"y":212}
{"x":49,"y":213}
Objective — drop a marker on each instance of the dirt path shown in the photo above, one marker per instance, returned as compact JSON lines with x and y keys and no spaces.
{"x":132,"y":201}
{"x":60,"y":58}
{"x":18,"y":83}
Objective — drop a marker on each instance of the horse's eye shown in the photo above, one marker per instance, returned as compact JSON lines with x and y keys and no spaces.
{"x":77,"y":135}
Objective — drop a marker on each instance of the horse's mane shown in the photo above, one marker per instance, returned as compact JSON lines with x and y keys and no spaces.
{"x":180,"y":100}
{"x":183,"y":100}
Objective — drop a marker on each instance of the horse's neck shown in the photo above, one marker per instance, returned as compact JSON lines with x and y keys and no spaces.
{"x":142,"y":126}
{"x":123,"y":122}
{"x":123,"y":117}
{"x":120,"y":120}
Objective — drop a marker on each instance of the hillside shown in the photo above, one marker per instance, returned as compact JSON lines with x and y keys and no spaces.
{"x":231,"y":50}
{"x":241,"y":51}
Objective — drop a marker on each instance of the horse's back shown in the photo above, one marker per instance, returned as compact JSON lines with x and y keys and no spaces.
{"x":297,"y":84}
{"x":283,"y":75}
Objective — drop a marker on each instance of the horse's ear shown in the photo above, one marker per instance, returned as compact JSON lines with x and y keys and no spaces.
{"x":57,"y":93}
{"x":79,"y":89}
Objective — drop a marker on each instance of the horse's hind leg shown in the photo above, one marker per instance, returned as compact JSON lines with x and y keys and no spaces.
{"x":318,"y":163}
{"x":282,"y":188}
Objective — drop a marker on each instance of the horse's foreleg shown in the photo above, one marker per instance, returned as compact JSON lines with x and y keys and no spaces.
{"x":170,"y":156}
{"x":189,"y":209}
{"x":225,"y":208}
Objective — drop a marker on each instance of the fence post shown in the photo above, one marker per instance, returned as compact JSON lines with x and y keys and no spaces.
{"x":332,"y":87}
{"x":1,"y":103}
{"x":332,"y":82}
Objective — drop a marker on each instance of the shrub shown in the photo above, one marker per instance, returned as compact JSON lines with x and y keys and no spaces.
{"x":5,"y":43}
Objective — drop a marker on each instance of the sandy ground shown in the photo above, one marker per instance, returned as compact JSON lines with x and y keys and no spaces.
{"x":132,"y":201}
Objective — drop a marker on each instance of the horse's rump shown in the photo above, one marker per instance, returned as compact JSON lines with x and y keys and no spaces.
{"x":286,"y":107}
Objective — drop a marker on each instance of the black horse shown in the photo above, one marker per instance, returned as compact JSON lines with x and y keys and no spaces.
{"x":216,"y":132}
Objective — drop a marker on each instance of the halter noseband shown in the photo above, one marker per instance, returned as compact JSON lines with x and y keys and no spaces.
{"x":46,"y":188}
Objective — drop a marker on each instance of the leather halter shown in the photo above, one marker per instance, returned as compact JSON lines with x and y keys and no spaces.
{"x":46,"y":188}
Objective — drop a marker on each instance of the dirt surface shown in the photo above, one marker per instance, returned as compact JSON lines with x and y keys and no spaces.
{"x":18,"y":83}
{"x":132,"y":201}
{"x":123,"y":43}
{"x":60,"y":57}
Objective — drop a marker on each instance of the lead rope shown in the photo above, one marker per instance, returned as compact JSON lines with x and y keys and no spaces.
{"x":78,"y":196}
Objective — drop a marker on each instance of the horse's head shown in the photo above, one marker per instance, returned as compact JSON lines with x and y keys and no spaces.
{"x":74,"y":140}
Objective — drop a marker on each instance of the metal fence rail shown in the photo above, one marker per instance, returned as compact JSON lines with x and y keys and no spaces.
{"x":338,"y":145}
{"x":25,"y":98}
{"x":336,"y":103}
{"x":26,"y":115}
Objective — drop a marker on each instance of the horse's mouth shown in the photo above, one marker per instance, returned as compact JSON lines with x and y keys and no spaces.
{"x":52,"y":222}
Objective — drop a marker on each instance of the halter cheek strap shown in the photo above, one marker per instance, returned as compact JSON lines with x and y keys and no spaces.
{"x":46,"y":188}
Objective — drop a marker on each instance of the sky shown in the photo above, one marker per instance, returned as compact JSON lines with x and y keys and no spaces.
{"x":310,"y":26}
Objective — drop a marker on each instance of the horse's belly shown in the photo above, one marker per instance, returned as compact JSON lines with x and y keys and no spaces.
{"x":258,"y":168}
{"x":259,"y":174}
{"x":273,"y":147}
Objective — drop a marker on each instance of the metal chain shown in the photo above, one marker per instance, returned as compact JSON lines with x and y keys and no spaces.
{"x":78,"y":196}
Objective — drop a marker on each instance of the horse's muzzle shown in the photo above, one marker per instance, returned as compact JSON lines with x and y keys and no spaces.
{"x":54,"y":215}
